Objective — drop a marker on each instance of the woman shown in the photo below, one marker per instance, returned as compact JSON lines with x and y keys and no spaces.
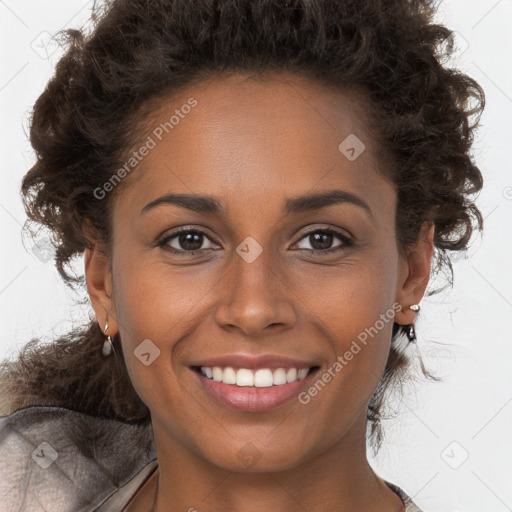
{"x":261,"y":191}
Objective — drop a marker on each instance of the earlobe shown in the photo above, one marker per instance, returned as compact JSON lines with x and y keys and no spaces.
{"x":416,"y":274}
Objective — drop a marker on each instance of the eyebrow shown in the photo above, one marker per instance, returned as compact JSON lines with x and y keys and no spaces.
{"x":300,"y":204}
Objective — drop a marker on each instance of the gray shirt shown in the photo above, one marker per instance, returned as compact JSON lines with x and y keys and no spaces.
{"x":53,"y":459}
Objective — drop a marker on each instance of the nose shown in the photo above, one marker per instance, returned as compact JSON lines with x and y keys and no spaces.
{"x":256,"y":297}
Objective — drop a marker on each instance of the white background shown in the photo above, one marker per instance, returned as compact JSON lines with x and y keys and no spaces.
{"x":464,"y":333}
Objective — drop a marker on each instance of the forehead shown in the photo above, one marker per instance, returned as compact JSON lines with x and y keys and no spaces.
{"x":274,"y":135}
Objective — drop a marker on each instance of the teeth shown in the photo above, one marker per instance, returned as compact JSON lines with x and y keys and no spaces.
{"x":302,"y":373}
{"x":291,"y":375}
{"x":229,"y":376}
{"x":217,"y":374}
{"x":243,"y":377}
{"x":262,"y":378}
{"x":279,"y":377}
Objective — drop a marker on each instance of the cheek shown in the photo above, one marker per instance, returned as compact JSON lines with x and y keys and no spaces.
{"x":350,"y":300}
{"x":361,"y":336}
{"x":355,"y":312}
{"x":154,"y":300}
{"x":156,"y":305}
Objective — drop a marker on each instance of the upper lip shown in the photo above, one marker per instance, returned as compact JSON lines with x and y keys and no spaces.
{"x":252,"y":362}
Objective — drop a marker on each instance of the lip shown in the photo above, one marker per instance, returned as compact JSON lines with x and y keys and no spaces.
{"x":253,"y":399}
{"x":254,"y":362}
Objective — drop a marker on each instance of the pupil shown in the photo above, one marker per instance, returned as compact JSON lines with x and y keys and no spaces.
{"x":322,"y":239}
{"x":190,"y":241}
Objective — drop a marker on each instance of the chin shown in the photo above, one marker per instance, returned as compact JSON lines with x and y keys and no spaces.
{"x":251,"y":459}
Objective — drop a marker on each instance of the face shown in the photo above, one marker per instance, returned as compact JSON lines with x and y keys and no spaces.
{"x":286,"y":258}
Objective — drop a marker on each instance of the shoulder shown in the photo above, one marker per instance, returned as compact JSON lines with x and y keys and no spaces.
{"x":410,"y":506}
{"x":52,"y":458}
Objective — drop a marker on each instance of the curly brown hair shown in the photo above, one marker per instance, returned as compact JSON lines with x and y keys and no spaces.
{"x":88,"y":118}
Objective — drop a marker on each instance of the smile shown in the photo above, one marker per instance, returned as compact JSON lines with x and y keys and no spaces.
{"x":253,"y":390}
{"x":261,"y":378}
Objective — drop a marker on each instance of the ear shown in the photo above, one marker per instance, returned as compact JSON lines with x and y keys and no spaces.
{"x":415,"y":274}
{"x":99,"y":283}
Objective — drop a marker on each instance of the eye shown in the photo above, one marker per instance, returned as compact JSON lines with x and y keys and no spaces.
{"x":186,"y":241}
{"x":321,"y":241}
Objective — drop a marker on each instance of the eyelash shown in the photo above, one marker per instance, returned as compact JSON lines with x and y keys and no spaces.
{"x":346,"y":241}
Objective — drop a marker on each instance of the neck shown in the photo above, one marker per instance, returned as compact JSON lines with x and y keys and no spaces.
{"x":338,"y":479}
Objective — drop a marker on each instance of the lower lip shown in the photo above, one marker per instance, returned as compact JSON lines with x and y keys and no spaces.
{"x":253,"y":399}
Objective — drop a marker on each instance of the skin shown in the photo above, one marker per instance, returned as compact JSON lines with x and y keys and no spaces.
{"x":252,"y":145}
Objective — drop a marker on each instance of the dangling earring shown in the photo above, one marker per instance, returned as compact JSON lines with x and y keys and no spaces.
{"x":409,"y":329}
{"x":411,"y":333}
{"x":107,"y":344}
